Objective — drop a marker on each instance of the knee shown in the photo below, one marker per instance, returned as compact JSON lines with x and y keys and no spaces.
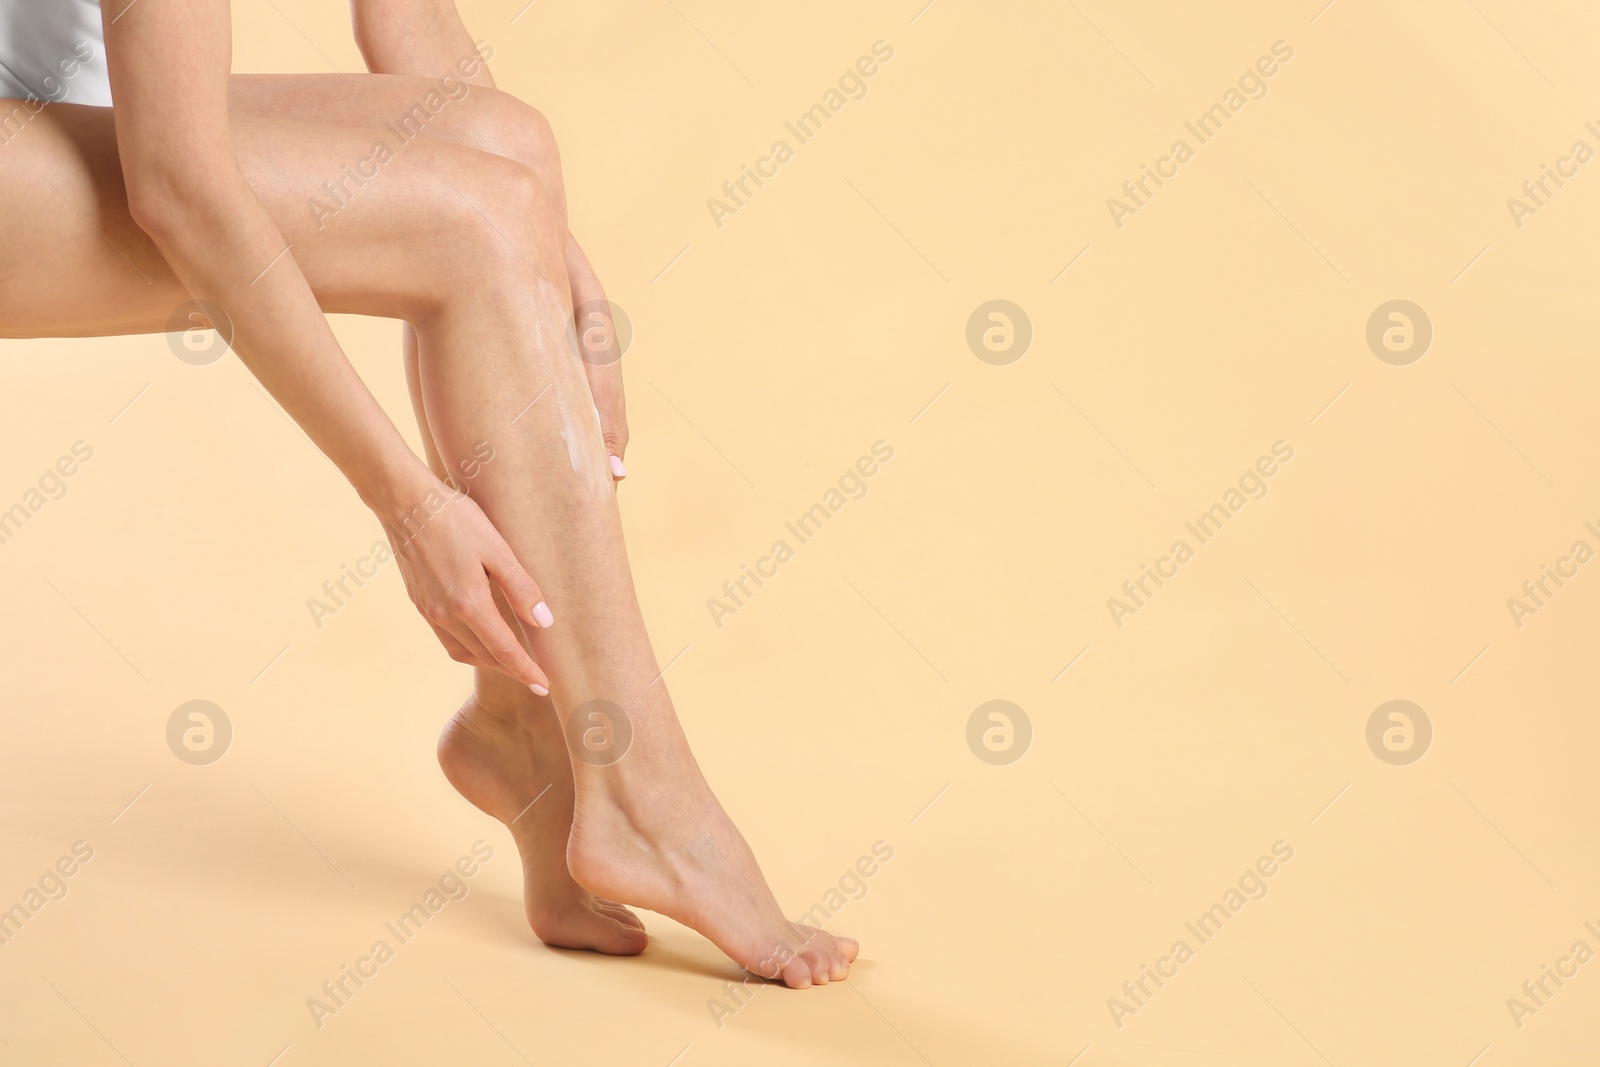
{"x":510,"y":219}
{"x":499,"y":123}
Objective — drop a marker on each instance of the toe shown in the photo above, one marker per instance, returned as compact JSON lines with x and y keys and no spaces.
{"x":821,"y":967}
{"x":618,"y":912}
{"x":616,"y":938}
{"x":797,"y":973}
{"x":626,"y":941}
{"x":586,"y":928}
{"x":850,"y":947}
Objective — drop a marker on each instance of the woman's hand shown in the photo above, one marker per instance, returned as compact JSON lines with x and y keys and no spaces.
{"x":453,"y":558}
{"x":599,"y":348}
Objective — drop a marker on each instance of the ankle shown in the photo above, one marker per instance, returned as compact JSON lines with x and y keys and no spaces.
{"x":520,"y":728}
{"x":504,"y":698}
{"x":647,"y":801}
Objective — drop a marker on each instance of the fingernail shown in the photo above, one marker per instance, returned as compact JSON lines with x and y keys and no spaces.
{"x":542,"y":616}
{"x":539,"y":689}
{"x":617,"y":469}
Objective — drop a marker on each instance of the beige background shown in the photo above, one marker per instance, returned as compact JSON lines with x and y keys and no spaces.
{"x":1228,"y":714}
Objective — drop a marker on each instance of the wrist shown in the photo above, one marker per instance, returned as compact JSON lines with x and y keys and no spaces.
{"x":396,"y":493}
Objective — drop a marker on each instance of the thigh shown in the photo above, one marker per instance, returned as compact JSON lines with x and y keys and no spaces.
{"x":377,"y":229}
{"x":74,"y":263}
{"x":445,"y":109}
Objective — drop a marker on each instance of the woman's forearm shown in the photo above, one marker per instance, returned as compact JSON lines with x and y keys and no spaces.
{"x":184,"y":186}
{"x":414,"y":38}
{"x":226,"y":249}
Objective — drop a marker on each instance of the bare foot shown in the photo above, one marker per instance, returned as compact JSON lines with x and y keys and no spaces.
{"x":647,"y":830}
{"x":510,"y":761}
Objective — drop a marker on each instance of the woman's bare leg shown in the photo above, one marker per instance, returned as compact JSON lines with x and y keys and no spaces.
{"x":465,"y":246}
{"x":64,"y":162}
{"x":646,"y":827}
{"x":504,"y":749}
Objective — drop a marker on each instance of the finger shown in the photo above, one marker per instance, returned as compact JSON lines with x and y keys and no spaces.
{"x":446,"y":621}
{"x":605,"y":385}
{"x":521,"y":591}
{"x":492,"y":656}
{"x":456,"y":649}
{"x":499,"y":643}
{"x":599,"y":346}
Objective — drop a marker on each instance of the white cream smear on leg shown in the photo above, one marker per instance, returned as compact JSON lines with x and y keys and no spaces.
{"x":585,"y":450}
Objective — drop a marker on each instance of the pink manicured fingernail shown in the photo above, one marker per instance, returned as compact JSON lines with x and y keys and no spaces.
{"x":617,"y":469}
{"x":542,"y":616}
{"x":539,"y":689}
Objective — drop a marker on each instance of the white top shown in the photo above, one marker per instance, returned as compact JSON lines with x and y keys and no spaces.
{"x":53,"y":50}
